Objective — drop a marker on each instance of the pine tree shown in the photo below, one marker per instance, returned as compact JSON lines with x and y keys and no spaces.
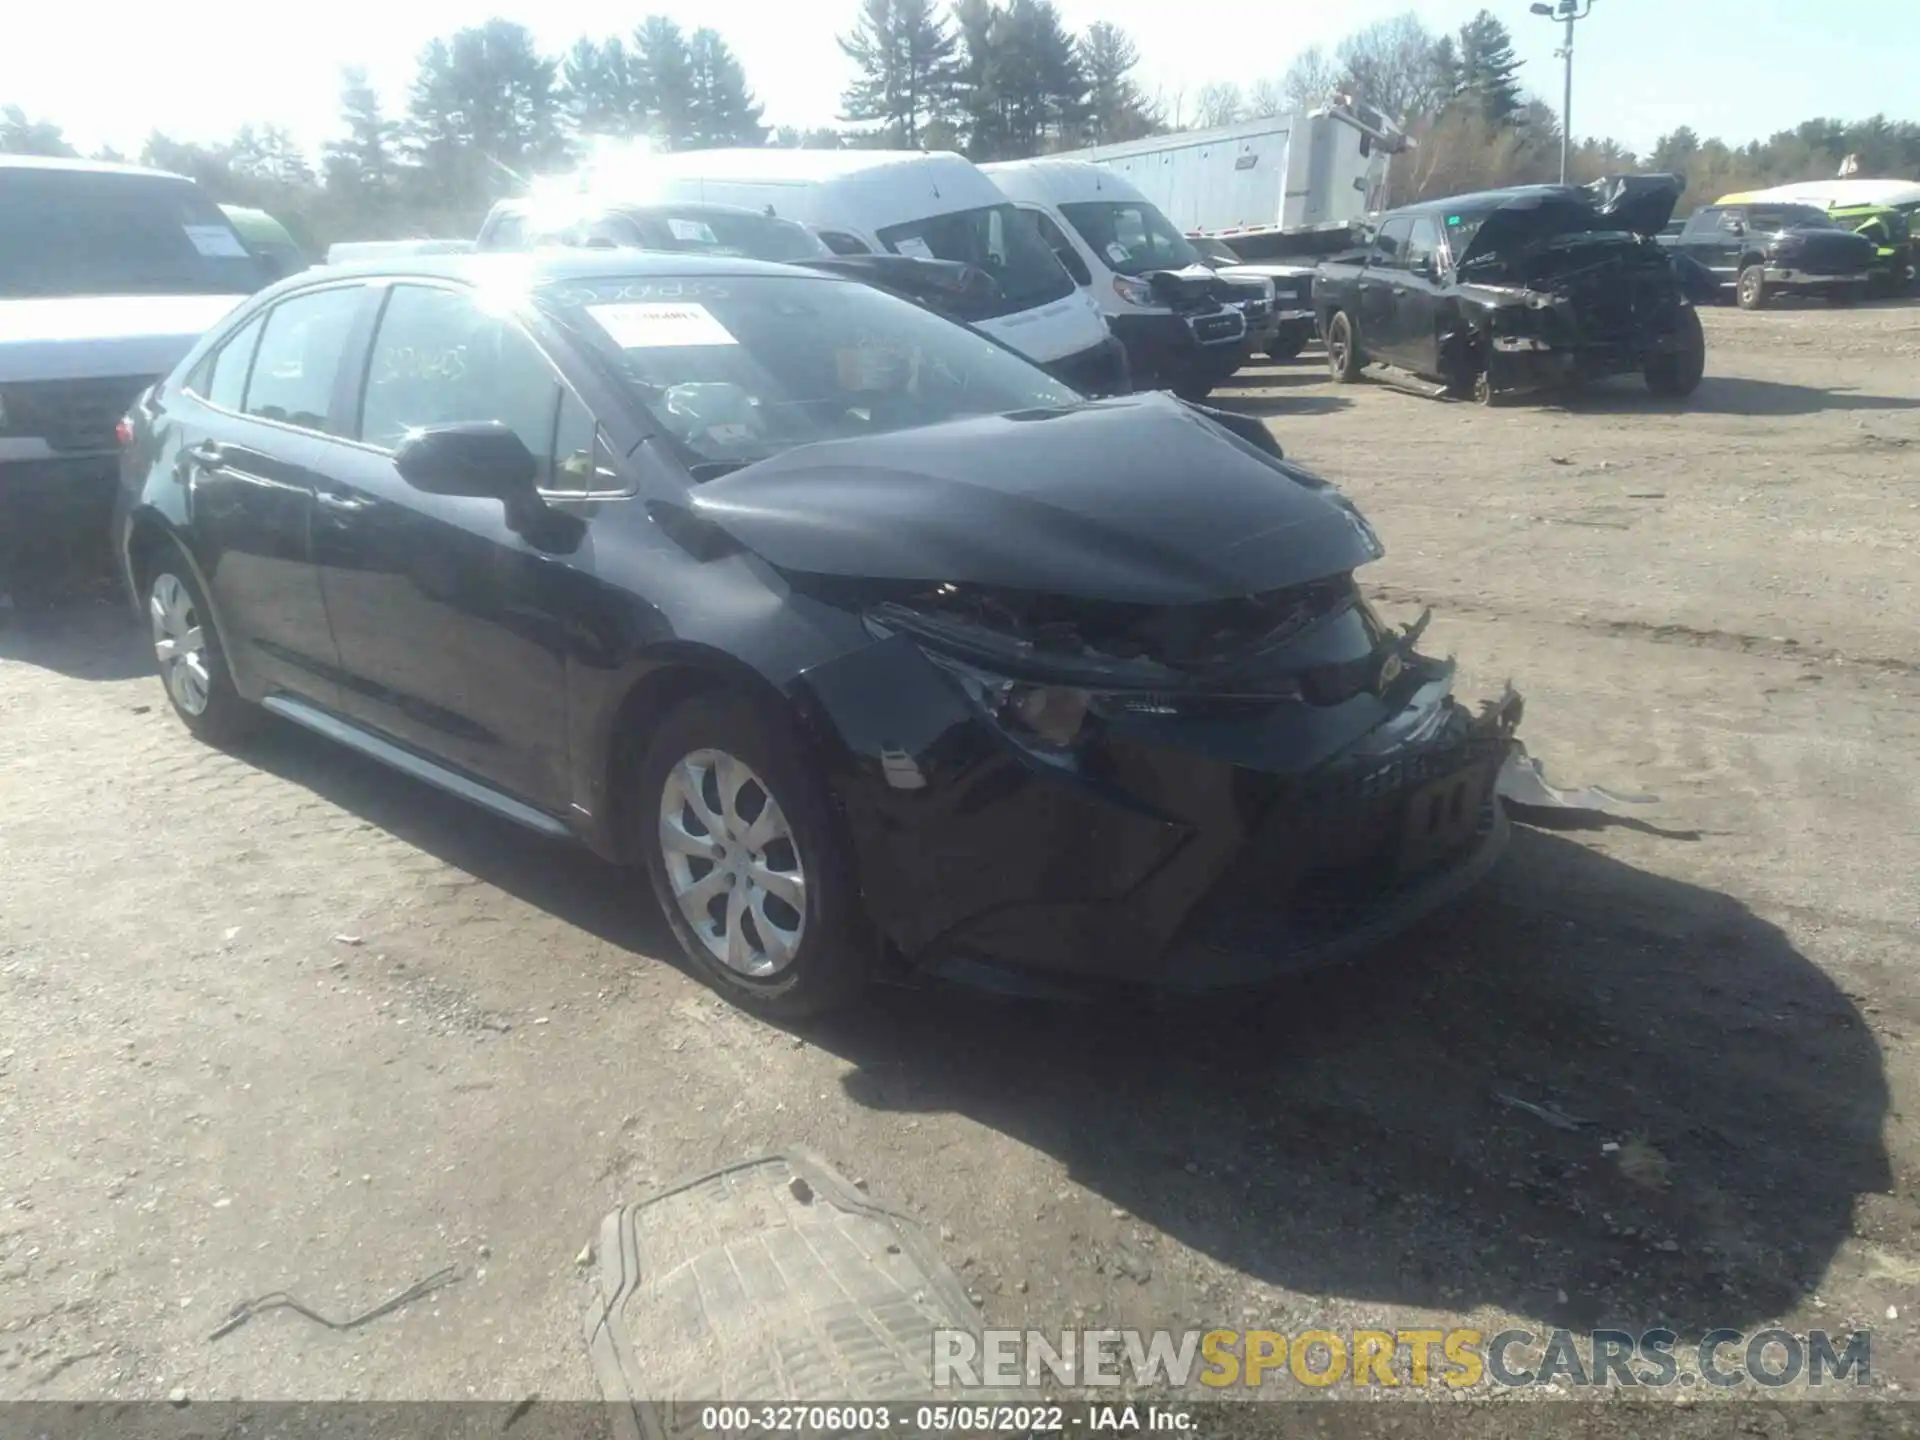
{"x":364,"y":161}
{"x":483,"y":114}
{"x":906,"y":60}
{"x":600,"y":93}
{"x":663,"y":67}
{"x":1488,"y":66}
{"x":1116,"y":110}
{"x":722,"y":111}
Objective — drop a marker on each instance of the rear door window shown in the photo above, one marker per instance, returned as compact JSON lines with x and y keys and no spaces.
{"x":298,"y":361}
{"x":223,"y":381}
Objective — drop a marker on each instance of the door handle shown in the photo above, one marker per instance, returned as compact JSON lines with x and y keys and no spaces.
{"x":344,"y":504}
{"x":207,"y":454}
{"x":1399,"y":289}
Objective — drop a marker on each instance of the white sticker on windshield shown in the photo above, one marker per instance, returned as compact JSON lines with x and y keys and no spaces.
{"x":660,"y":326}
{"x":1118,"y":253}
{"x":216,"y":242}
{"x":697,"y":231}
{"x":913,"y":245}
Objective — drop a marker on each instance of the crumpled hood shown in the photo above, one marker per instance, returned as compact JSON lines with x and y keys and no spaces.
{"x":1637,"y":204}
{"x":1136,"y":500}
{"x":86,"y":337}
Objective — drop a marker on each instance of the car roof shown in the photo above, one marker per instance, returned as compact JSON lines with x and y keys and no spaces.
{"x":609,"y":199}
{"x":775,"y":162}
{"x":1484,"y":201}
{"x":85,"y":167}
{"x":1062,"y":181}
{"x":535,"y":267}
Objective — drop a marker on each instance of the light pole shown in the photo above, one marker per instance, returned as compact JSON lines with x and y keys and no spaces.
{"x":1567,"y":11}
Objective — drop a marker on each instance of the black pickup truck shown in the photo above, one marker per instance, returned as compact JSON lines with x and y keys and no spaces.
{"x":1517,"y":290}
{"x":1761,"y":250}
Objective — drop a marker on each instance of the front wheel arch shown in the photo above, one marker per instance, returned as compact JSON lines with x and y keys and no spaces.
{"x":673,"y":676}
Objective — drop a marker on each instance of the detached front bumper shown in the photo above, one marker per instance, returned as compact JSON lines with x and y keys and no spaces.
{"x":1186,"y":855}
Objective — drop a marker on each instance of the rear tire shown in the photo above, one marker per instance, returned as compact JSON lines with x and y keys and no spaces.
{"x":1343,"y":349}
{"x":1751,"y":288}
{"x":1676,"y":373}
{"x":190,"y":654}
{"x":757,"y":880}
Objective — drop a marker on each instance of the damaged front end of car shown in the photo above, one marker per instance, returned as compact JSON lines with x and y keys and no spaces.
{"x":1189,"y":798}
{"x":1121,"y":717}
{"x":1570,"y":287}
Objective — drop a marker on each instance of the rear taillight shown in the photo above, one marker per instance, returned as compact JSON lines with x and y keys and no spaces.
{"x":123,"y":431}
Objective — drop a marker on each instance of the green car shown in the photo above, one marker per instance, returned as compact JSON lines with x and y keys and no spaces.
{"x":267,"y":238}
{"x":1891,"y":233}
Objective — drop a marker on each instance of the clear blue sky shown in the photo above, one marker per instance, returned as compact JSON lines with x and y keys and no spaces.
{"x":1642,"y":67}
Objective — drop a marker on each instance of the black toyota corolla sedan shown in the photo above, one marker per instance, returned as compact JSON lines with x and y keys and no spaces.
{"x":879,"y":649}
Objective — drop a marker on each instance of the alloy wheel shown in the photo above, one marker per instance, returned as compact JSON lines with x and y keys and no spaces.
{"x":732,"y":863}
{"x":179,"y":644}
{"x":1337,"y":349}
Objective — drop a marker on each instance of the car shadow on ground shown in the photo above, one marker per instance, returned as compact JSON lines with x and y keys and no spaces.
{"x":1709,"y":1106}
{"x":88,"y":633}
{"x":1587,"y":1081}
{"x":1728,"y":395}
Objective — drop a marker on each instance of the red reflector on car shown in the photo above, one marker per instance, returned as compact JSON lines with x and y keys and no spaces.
{"x":123,"y":431}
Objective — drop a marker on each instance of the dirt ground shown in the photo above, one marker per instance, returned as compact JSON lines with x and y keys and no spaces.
{"x":207,"y":1093}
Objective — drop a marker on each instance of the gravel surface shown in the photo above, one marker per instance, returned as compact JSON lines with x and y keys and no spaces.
{"x":280,"y":1020}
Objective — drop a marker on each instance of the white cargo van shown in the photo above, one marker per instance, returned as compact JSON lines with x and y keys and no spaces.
{"x":904,"y":202}
{"x":1115,"y":242}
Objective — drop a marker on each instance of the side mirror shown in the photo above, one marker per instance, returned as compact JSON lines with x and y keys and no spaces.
{"x":483,"y":458}
{"x":1737,"y":227}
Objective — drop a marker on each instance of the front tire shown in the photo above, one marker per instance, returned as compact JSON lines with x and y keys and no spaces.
{"x":189,"y":652}
{"x":1676,"y":373}
{"x":1750,"y":290}
{"x":1343,"y":349}
{"x":750,"y":860}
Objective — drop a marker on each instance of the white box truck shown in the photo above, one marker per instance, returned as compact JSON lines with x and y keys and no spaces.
{"x":1296,"y":184}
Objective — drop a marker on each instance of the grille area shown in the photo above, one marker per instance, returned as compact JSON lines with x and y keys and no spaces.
{"x":72,"y":415}
{"x":1220,"y":328}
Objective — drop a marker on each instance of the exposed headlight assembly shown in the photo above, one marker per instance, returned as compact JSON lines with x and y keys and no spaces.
{"x":1134,"y":292}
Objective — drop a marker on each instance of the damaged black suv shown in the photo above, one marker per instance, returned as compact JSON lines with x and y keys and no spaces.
{"x":1527,"y":289}
{"x":876,"y":647}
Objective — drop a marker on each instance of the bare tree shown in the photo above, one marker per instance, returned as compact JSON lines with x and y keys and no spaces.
{"x":1390,"y":65}
{"x":1310,"y":79}
{"x":1265,"y":99}
{"x":1218,"y":104}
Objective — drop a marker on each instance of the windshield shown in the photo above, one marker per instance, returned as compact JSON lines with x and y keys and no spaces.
{"x":1792,"y":217}
{"x":725,"y":233}
{"x":1214,"y":252}
{"x":999,"y":240}
{"x":79,"y":232}
{"x":1131,"y":235}
{"x":740,"y":368}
